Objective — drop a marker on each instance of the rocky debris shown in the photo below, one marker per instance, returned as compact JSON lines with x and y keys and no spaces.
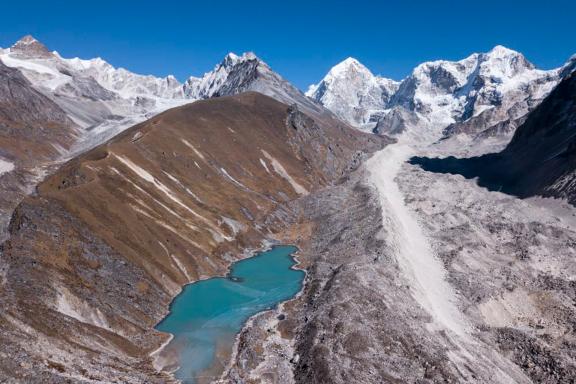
{"x":34,"y":131}
{"x":356,"y":321}
{"x":543,"y":364}
{"x":511,"y":260}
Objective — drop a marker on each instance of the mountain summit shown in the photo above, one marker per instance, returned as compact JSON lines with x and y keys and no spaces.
{"x":29,"y":47}
{"x":247,"y":72}
{"x":352,"y":92}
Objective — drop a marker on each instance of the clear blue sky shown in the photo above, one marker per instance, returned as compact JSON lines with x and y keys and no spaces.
{"x":300,"y":39}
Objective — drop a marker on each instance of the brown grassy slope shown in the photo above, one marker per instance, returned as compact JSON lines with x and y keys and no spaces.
{"x":111,"y":237}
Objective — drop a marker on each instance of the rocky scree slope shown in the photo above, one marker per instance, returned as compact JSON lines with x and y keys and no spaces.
{"x":357,"y":320}
{"x":169,"y":201}
{"x":33,"y":131}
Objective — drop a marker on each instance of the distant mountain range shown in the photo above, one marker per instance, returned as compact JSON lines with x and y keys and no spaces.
{"x":483,"y":94}
{"x":104,"y":100}
{"x":87,"y":102}
{"x":440,"y":98}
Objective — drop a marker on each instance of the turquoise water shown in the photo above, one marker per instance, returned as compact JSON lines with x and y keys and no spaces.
{"x":207,"y":315}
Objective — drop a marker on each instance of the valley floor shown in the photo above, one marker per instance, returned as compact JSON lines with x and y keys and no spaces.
{"x":416,"y":277}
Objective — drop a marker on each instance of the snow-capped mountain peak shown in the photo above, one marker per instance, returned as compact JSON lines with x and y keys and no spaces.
{"x":505,"y":62}
{"x":352,"y":91}
{"x":211,"y":83}
{"x":104,"y":100}
{"x":502,"y":51}
{"x":99,"y":98}
{"x":349,"y":64}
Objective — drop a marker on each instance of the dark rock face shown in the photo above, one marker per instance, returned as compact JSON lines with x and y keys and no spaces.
{"x":239,"y":78}
{"x":25,"y":111}
{"x":540,"y":159}
{"x":443,"y":79}
{"x":30,"y":48}
{"x":396,"y":121}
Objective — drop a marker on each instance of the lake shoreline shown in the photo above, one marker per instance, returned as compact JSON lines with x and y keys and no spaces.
{"x":257,"y":282}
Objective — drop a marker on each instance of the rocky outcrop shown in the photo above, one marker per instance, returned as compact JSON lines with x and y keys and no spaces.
{"x":30,"y":48}
{"x":237,"y":74}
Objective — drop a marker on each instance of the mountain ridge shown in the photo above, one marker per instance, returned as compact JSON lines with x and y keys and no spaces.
{"x":439,"y":96}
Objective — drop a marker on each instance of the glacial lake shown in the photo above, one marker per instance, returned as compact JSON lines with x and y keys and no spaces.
{"x":206,"y":317}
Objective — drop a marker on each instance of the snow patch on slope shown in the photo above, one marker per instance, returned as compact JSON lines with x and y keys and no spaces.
{"x":75,"y":308}
{"x":279,"y":169}
{"x":5,"y":166}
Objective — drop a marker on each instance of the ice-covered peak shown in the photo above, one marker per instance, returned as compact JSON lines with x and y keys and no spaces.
{"x":502,"y":51}
{"x":249,"y":56}
{"x":349,"y":61}
{"x":352,"y":91}
{"x":348,"y":64}
{"x":29,"y":47}
{"x":230,"y":59}
{"x":504,"y":62}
